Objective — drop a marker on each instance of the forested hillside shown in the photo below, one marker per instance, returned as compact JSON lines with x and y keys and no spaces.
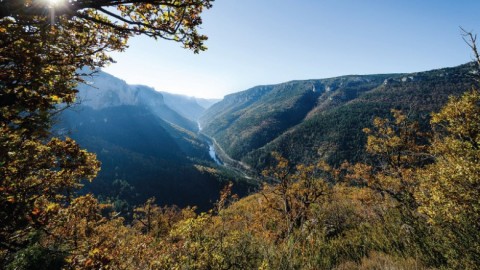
{"x":329,"y":125}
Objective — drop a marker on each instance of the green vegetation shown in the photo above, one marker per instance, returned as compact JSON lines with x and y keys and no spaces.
{"x":414,"y":204}
{"x":331,"y":129}
{"x":156,"y":158}
{"x":356,"y":216}
{"x":258,"y":116}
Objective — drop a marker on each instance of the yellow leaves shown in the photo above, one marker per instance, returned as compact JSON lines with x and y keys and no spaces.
{"x":399,"y":116}
{"x":362,"y":173}
{"x":52,"y":207}
{"x":56,"y":99}
{"x":36,"y":178}
{"x":264,"y":266}
{"x":449,"y":188}
{"x":94,"y":252}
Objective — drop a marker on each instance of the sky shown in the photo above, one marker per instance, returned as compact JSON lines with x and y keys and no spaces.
{"x":258,"y":42}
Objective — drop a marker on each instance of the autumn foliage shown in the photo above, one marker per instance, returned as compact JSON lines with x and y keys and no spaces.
{"x":413,"y":205}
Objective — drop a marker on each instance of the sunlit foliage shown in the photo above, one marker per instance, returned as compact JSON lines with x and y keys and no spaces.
{"x":45,"y":48}
{"x":357,"y":216}
{"x":449,"y":190}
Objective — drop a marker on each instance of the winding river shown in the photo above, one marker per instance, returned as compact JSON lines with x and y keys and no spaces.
{"x":222,"y":159}
{"x":211,"y":148}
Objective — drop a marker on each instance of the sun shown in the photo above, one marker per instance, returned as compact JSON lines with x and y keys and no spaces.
{"x":53,"y":3}
{"x":52,"y":6}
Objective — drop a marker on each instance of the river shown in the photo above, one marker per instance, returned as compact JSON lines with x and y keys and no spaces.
{"x":213,"y":155}
{"x":222,"y":159}
{"x":211,"y":148}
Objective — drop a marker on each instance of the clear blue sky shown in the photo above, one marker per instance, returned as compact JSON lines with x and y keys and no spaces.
{"x":253,"y":42}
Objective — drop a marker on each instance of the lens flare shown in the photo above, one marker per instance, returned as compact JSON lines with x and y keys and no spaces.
{"x":53,"y":3}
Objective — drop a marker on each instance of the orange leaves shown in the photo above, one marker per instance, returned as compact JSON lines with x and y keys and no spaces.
{"x":35,"y":211}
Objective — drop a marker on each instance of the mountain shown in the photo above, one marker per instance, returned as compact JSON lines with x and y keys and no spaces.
{"x":149,"y":145}
{"x":104,"y":90}
{"x":188,"y":107}
{"x":246,"y":121}
{"x":207,"y":102}
{"x":147,"y":149}
{"x":323,"y":119}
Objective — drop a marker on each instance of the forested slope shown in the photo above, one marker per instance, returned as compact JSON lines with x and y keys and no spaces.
{"x":328,"y":126}
{"x":147,"y":149}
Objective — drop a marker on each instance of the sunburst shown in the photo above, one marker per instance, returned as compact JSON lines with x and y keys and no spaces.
{"x":53,"y":3}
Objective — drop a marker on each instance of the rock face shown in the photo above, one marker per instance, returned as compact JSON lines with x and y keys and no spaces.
{"x":105,"y":91}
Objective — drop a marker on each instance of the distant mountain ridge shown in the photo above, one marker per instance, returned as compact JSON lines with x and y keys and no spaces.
{"x":207,"y":102}
{"x":104,"y":90}
{"x":323,"y":119}
{"x":189,"y":107}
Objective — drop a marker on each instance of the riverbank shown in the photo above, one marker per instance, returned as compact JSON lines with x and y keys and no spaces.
{"x":226,"y":160}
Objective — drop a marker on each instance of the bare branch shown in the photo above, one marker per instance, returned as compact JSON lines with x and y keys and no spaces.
{"x":471,"y":40}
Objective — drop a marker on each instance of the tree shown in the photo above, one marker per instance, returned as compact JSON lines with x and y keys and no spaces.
{"x":40,"y":56}
{"x":44,"y":48}
{"x":36,"y":179}
{"x":436,"y":182}
{"x":397,"y":148}
{"x":167,"y":19}
{"x":294,"y":191}
{"x":449,"y":190}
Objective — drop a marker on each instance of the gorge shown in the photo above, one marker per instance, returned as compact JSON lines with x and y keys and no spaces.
{"x":170,"y":147}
